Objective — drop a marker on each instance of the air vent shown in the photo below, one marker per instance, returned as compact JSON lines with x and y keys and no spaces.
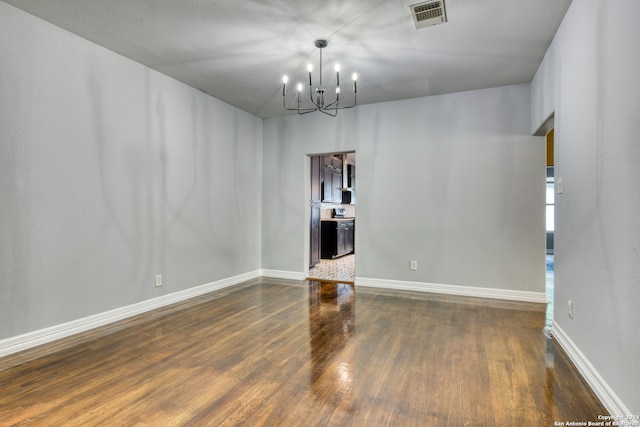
{"x":428,"y":13}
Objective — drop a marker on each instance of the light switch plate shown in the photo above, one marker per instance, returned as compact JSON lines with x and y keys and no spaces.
{"x":559,"y":188}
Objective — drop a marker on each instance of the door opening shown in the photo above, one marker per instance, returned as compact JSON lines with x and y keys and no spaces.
{"x":332,"y":217}
{"x":550,"y":230}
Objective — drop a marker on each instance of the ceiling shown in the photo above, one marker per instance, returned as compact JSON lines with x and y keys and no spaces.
{"x":238,"y":51}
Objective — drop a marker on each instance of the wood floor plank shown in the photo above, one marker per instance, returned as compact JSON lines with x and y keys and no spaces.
{"x":303,"y":353}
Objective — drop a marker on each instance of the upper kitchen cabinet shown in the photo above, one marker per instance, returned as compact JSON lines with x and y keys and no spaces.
{"x":349,"y":192}
{"x":332,"y":179}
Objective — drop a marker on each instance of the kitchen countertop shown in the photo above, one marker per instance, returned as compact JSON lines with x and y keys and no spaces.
{"x":339,"y":219}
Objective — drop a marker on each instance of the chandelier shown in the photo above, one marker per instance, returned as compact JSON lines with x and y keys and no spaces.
{"x":318,"y":102}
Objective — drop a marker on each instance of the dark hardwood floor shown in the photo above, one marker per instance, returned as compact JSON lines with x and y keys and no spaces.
{"x":284,"y":353}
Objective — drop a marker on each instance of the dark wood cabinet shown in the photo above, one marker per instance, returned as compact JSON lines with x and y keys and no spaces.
{"x":349,"y":197}
{"x":332,"y":179}
{"x":337,"y":238}
{"x":315,"y":250}
{"x":336,"y":187}
{"x":349,"y":237}
{"x":315,"y":203}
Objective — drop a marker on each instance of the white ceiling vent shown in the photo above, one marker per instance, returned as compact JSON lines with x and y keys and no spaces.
{"x":428,"y":13}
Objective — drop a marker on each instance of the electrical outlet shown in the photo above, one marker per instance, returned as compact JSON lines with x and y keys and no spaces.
{"x":158,"y":280}
{"x":570,"y":308}
{"x":413,"y":265}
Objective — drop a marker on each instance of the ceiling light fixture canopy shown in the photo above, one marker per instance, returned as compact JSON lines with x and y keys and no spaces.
{"x":319,"y":103}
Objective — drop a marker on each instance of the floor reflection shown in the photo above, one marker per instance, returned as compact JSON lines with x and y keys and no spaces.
{"x":549,"y":379}
{"x":331,"y":323}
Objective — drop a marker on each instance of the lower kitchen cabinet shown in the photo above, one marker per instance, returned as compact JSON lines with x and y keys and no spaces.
{"x":337,"y":238}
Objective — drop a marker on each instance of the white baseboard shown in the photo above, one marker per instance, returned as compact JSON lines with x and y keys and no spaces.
{"x":43,"y":336}
{"x":469,"y":291}
{"x":282,"y":274}
{"x":607,"y":396}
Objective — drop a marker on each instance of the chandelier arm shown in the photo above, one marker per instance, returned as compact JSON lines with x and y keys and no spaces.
{"x":284,"y":104}
{"x":298,"y":109}
{"x":344,"y":106}
{"x":304,"y":110}
{"x":336,"y":102}
{"x":322,"y":110}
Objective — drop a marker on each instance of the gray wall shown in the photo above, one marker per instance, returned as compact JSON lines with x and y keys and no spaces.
{"x":589,"y":77}
{"x":111,"y":173}
{"x":455,"y":182}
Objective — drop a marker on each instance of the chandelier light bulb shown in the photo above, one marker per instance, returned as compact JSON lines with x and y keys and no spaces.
{"x":299,"y":87}
{"x":285,"y":79}
{"x":354,"y":77}
{"x":337,"y":67}
{"x":338,"y":90}
{"x":309,"y":67}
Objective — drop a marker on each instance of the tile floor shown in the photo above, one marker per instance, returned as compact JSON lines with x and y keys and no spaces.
{"x":342,"y":268}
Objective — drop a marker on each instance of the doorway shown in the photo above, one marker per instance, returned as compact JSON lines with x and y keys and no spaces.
{"x":550,"y":231}
{"x":332,"y":216}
